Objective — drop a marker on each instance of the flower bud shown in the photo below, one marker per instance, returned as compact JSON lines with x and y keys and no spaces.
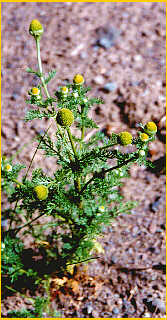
{"x":36,"y":29}
{"x":64,"y":90}
{"x":41,"y":192}
{"x":78,"y":79}
{"x":8,"y":167}
{"x":150,"y":128}
{"x":101,"y":209}
{"x":142,"y":153}
{"x":144,"y":137}
{"x":35,"y":91}
{"x":125,"y":138}
{"x":65,"y":117}
{"x":2,"y":245}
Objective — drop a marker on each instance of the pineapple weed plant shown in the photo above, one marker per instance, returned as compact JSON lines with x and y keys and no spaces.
{"x":82,"y":195}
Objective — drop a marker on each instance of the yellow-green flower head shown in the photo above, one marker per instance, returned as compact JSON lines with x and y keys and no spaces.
{"x":41,"y":192}
{"x":78,"y":79}
{"x":64,"y":90}
{"x":125,"y":138}
{"x":150,"y":128}
{"x":8,"y":167}
{"x":35,"y":29}
{"x":35,"y":91}
{"x":144,"y":137}
{"x":65,"y":117}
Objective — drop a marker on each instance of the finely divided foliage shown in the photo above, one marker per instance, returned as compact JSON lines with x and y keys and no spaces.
{"x":87,"y":177}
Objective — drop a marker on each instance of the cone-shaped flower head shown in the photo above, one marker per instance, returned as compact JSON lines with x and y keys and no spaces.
{"x":125,"y":138}
{"x":41,"y":192}
{"x":78,"y":79}
{"x":65,"y":117}
{"x":35,"y":29}
{"x":144,"y":137}
{"x":150,"y":128}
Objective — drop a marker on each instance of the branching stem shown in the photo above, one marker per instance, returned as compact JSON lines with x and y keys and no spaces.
{"x":29,"y":223}
{"x":108,"y":170}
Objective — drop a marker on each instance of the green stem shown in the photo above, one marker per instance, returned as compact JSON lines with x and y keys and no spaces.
{"x":106,"y":171}
{"x":64,"y":139}
{"x":82,"y":132}
{"x":40,"y":66}
{"x":18,"y":182}
{"x":69,"y":264}
{"x":28,"y":223}
{"x":72,"y":142}
{"x":47,"y":307}
{"x":12,"y":218}
{"x":77,"y":182}
{"x":83,"y":128}
{"x":36,"y":152}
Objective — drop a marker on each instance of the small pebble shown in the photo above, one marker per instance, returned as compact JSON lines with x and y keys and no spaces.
{"x":159,"y":304}
{"x":83,"y":55}
{"x":119,"y":301}
{"x":115,"y":310}
{"x":114,"y":259}
{"x":98,"y":80}
{"x":147,"y":315}
{"x":138,"y":57}
{"x":135,"y":231}
{"x":15,"y":96}
{"x":109,"y":87}
{"x":154,"y":277}
{"x":130,"y":251}
{"x":155,"y":205}
{"x":76,"y":50}
{"x":89,"y":309}
{"x":105,"y":42}
{"x":106,"y":37}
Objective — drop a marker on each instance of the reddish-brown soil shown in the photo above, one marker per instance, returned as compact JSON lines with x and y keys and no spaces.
{"x":122,"y":44}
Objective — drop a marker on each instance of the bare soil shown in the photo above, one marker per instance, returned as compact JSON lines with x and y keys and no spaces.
{"x":123,"y":45}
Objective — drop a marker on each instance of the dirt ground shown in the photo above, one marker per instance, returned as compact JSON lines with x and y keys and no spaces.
{"x":120,"y":50}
